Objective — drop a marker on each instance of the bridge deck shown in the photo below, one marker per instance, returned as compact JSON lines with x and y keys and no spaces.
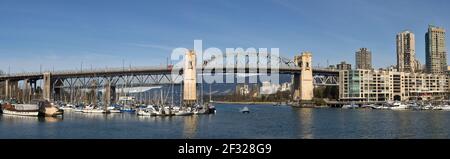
{"x":146,"y":70}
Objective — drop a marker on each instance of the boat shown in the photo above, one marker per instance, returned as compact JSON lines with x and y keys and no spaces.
{"x":414,"y":106}
{"x":184,"y":113}
{"x":445,"y":108}
{"x":148,"y":111}
{"x":245,"y":110}
{"x":369,"y":106}
{"x":205,"y":109}
{"x":20,"y":109}
{"x":437,"y":107}
{"x":37,"y":108}
{"x":142,"y":112}
{"x":112,"y":109}
{"x":67,"y":107}
{"x":93,"y":111}
{"x":350,"y":106}
{"x":399,"y":106}
{"x":427,"y":107}
{"x":78,"y":110}
{"x":127,"y":109}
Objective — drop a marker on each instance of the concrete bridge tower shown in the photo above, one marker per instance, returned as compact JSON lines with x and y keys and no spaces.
{"x":190,"y":78}
{"x":303,"y":83}
{"x":47,"y":86}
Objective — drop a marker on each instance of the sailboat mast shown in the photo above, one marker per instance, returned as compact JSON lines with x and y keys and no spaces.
{"x":181,"y":93}
{"x":210,"y":93}
{"x":172,"y":92}
{"x":201,"y":92}
{"x":162,"y":99}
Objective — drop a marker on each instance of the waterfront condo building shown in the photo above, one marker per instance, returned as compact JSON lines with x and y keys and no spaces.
{"x":435,"y":51}
{"x":363,"y":59}
{"x":406,"y":52}
{"x":344,"y":66}
{"x":389,"y":85}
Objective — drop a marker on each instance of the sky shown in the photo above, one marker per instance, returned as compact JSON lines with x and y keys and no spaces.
{"x":61,"y":35}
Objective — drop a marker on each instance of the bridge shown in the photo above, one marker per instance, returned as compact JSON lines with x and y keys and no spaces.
{"x":55,"y":82}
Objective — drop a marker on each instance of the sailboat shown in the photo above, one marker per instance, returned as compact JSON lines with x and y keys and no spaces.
{"x":205,"y":108}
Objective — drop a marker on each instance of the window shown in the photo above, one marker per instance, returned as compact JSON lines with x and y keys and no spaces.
{"x":190,"y":65}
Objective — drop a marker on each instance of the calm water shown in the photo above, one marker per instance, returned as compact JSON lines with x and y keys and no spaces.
{"x":264,"y":121}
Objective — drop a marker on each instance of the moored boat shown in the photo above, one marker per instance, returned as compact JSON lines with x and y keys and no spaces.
{"x":21,"y":112}
{"x":245,"y":110}
{"x":399,"y":106}
{"x":38,"y":108}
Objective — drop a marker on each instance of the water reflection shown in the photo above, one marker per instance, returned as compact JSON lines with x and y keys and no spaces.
{"x":262,"y":122}
{"x":13,"y":119}
{"x":190,"y":126}
{"x":50,"y":119}
{"x":305,"y":115}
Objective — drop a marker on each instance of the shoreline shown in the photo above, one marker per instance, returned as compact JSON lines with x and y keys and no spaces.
{"x":247,"y":103}
{"x":269,"y":103}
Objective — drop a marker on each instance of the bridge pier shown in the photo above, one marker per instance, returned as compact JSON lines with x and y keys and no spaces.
{"x":303,"y":82}
{"x":190,"y":79}
{"x":26,"y":94}
{"x":57,"y":90}
{"x":47,"y":86}
{"x":93,"y":95}
{"x":109,"y":94}
{"x":11,"y":89}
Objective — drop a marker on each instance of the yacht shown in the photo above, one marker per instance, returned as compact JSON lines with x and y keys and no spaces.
{"x":414,"y":106}
{"x":20,"y":109}
{"x":112,"y":109}
{"x":148,"y":111}
{"x":184,"y":112}
{"x":446,"y":107}
{"x":37,"y":108}
{"x":351,"y":106}
{"x":427,"y":107}
{"x":399,"y":106}
{"x":93,"y":109}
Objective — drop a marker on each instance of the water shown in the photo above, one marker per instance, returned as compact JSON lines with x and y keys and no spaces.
{"x":264,"y":121}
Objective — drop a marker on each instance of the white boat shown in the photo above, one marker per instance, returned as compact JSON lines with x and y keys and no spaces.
{"x":437,"y":108}
{"x":185,"y":112}
{"x":113,"y":110}
{"x":245,"y":110}
{"x":41,"y":108}
{"x":143,"y":112}
{"x":148,"y":111}
{"x":21,"y":113}
{"x":351,"y":106}
{"x":66,"y":108}
{"x":399,"y":106}
{"x":446,"y":107}
{"x":78,"y":110}
{"x":428,"y":107}
{"x":93,"y":111}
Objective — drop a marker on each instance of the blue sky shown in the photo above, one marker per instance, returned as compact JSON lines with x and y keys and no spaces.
{"x":102,"y":33}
